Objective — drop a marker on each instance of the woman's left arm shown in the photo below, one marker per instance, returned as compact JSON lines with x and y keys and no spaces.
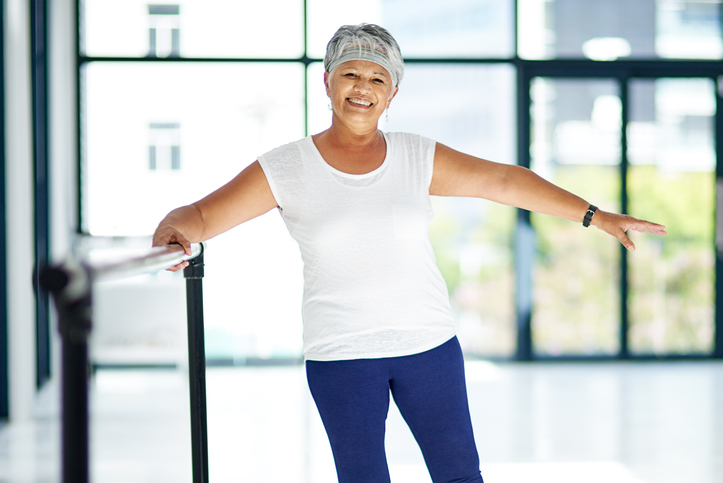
{"x":459,"y":174}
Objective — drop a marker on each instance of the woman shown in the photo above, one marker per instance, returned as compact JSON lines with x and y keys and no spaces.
{"x":376,"y":312}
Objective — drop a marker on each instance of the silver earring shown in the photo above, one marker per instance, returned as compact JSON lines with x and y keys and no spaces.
{"x":387,"y":117}
{"x":329,"y":106}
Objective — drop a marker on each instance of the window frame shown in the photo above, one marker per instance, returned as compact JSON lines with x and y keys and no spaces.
{"x":4,"y":356}
{"x":39,"y":20}
{"x":623,"y":71}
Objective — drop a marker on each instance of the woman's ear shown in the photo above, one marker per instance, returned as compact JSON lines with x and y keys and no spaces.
{"x":389,"y":101}
{"x":326,"y":84}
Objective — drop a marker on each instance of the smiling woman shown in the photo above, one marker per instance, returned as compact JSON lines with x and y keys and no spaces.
{"x":376,"y":312}
{"x":359,"y":91}
{"x":363,"y":69}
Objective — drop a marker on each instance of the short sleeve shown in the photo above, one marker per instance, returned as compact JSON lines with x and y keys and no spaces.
{"x":281,"y":167}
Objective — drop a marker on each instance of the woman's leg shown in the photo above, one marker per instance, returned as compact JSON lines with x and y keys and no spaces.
{"x":353,"y":400}
{"x":430,"y":391}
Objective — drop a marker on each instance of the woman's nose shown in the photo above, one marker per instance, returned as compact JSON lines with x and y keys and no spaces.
{"x":363,"y":85}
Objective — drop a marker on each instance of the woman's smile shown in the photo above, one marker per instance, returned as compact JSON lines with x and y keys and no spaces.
{"x":359,"y":102}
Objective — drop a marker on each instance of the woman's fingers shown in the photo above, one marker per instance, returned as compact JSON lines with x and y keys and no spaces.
{"x":167,"y":235}
{"x":186,"y":246}
{"x":618,"y":226}
{"x":178,"y":267}
{"x":170,"y":236}
{"x":625,"y":240}
{"x":649,"y":227}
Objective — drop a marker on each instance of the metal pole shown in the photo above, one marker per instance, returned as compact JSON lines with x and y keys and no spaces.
{"x":197,"y":368}
{"x":71,"y":285}
{"x":71,"y":288}
{"x":75,"y":439}
{"x":149,"y":260}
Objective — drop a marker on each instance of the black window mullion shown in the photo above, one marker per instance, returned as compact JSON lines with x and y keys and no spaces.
{"x":524,"y":237}
{"x":4,"y":388}
{"x":624,"y":352}
{"x":79,"y":49}
{"x":39,"y":33}
{"x":306,"y":67}
{"x":718,"y":341}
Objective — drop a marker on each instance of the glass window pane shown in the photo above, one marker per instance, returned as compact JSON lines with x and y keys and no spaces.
{"x":614,"y":29}
{"x":456,"y":28}
{"x":158,"y":136}
{"x":688,"y":29}
{"x":672,"y":278}
{"x":193,"y":28}
{"x":472,"y":238}
{"x":576,"y":145}
{"x":209,"y":119}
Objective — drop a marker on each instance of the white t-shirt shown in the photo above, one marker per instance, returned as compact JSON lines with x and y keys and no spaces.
{"x":372,"y":288}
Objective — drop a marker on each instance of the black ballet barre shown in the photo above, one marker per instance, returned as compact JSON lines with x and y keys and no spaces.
{"x":71,"y":286}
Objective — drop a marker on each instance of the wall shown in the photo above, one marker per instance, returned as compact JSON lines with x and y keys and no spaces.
{"x":18,"y":192}
{"x":19,"y":183}
{"x":63,"y":157}
{"x":63,"y":127}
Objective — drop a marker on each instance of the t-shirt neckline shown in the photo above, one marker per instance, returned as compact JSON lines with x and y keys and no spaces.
{"x":351,"y":175}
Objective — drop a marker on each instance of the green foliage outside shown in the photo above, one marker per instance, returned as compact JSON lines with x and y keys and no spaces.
{"x":472,"y":240}
{"x":672,"y":298}
{"x":576,"y":274}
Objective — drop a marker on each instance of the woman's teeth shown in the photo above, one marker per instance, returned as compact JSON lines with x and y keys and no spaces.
{"x":360,"y":102}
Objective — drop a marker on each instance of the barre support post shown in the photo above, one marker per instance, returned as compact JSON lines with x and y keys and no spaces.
{"x":71,"y":287}
{"x":197,"y":368}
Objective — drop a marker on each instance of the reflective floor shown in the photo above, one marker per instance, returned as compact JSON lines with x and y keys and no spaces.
{"x":561,"y":423}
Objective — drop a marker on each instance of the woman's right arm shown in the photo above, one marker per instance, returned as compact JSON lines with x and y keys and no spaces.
{"x":246,"y":196}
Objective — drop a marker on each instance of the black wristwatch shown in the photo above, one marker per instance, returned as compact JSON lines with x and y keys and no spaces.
{"x":588,"y":216}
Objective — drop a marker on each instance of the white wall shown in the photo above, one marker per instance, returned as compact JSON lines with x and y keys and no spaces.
{"x":62,"y":152}
{"x":19,"y":183}
{"x":63,"y":127}
{"x":18,"y":198}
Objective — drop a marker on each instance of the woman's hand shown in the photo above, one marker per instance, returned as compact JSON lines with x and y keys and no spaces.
{"x":167,"y":234}
{"x":246,"y":196}
{"x":617,"y":226}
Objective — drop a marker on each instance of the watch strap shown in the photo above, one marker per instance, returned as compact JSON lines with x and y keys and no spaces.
{"x":588,"y":215}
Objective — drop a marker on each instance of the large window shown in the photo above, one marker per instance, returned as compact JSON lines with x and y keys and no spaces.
{"x":616,"y":29}
{"x":672,"y":176}
{"x":472,"y":238}
{"x":612,"y":99}
{"x":576,"y":145}
{"x":192,"y":28}
{"x":175,"y":103}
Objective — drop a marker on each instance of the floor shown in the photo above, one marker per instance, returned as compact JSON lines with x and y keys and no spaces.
{"x":546,"y":422}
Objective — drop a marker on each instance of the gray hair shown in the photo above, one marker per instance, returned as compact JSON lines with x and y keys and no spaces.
{"x":366,"y":38}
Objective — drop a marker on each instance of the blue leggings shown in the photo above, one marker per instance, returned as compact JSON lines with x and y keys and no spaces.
{"x":428,"y":388}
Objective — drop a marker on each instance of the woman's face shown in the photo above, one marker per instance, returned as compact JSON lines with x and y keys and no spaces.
{"x":359,"y":90}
